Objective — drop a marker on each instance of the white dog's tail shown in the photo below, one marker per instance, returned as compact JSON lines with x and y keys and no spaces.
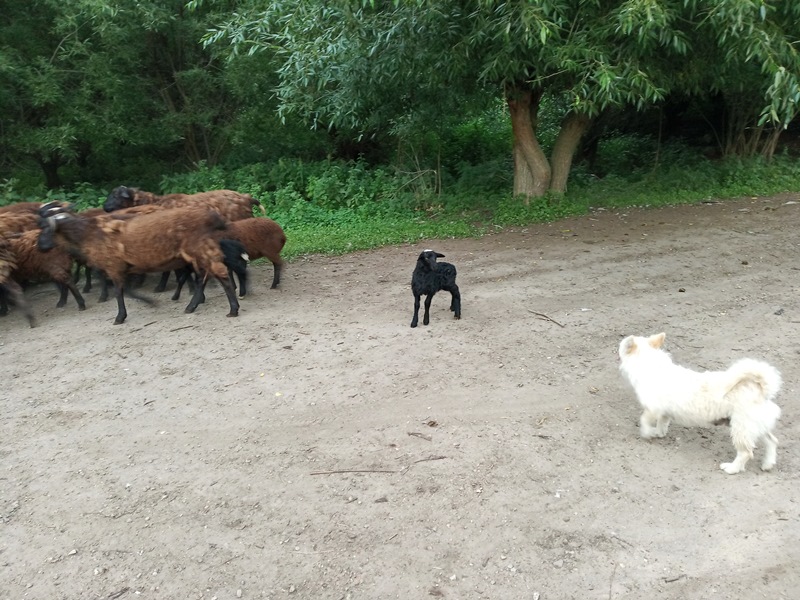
{"x":765,"y":376}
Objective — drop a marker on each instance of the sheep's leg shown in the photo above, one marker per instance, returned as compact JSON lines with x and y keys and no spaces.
{"x":77,"y":276}
{"x":199,"y":296}
{"x":455,"y":300}
{"x":3,"y":301}
{"x":162,"y":283}
{"x":276,"y":275}
{"x":242,"y":282}
{"x":415,"y":319}
{"x":103,"y":287}
{"x":62,"y":295}
{"x":427,"y":316}
{"x":14,"y":290}
{"x":87,"y":273}
{"x":233,"y":281}
{"x":75,"y":294}
{"x":231,"y":294}
{"x":122,"y":313}
{"x":182,"y":276}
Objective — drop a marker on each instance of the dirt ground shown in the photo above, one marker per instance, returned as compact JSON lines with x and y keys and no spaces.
{"x":318,"y":447}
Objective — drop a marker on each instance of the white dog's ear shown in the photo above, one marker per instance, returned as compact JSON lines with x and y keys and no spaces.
{"x":656,"y":341}
{"x":628,"y":346}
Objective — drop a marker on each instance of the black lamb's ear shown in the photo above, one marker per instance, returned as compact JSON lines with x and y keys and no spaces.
{"x":125,"y":192}
{"x":439,"y":255}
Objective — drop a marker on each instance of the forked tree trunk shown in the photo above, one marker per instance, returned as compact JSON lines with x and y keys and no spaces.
{"x":572,"y":129}
{"x":531,"y":168}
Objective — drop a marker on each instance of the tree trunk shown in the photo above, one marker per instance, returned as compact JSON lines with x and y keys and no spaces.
{"x":50,"y":165}
{"x":531,"y":168}
{"x":572,"y":129}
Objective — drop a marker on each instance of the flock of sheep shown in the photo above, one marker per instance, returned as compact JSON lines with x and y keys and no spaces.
{"x":197,"y":236}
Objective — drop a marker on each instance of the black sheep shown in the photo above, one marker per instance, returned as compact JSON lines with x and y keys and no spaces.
{"x":428,"y":278}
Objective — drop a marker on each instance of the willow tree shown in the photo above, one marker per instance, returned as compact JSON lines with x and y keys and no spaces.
{"x":363,"y":64}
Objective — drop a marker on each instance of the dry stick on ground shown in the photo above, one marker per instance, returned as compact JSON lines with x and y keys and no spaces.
{"x":611,"y":581}
{"x":376,"y":470}
{"x":353,"y":471}
{"x":544,"y":316}
{"x":421,"y":435}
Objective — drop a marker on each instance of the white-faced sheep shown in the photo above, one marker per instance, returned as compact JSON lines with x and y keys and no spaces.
{"x":429,"y":277}
{"x":164,"y":240}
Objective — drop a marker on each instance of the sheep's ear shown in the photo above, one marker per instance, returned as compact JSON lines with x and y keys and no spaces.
{"x":439,"y":255}
{"x":656,"y":341}
{"x":628,"y":346}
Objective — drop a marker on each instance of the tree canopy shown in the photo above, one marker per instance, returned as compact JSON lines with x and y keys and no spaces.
{"x":93,"y":91}
{"x":367,"y":63}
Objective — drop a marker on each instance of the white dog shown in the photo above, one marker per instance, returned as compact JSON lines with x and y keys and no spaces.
{"x":668,"y":392}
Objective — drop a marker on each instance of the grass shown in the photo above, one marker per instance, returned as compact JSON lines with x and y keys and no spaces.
{"x":342,"y":210}
{"x":464,"y":217}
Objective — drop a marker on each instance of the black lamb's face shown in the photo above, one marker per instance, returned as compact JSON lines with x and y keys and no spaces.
{"x":428,"y":258}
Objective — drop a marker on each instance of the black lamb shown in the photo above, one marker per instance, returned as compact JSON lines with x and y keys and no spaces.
{"x":428,"y":278}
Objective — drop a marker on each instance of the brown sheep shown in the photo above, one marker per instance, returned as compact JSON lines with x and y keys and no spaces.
{"x":231,"y":205}
{"x":99,"y":213}
{"x":20,"y":208}
{"x":35,"y":265}
{"x":261,"y":238}
{"x":164,"y":240}
{"x":12,"y":223}
{"x":8,"y":287}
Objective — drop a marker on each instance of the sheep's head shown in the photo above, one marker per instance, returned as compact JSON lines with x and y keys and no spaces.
{"x":49,"y":226}
{"x":120,"y":197}
{"x":427,"y":259}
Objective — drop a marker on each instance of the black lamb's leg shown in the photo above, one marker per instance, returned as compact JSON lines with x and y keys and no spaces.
{"x":231,"y":294}
{"x":427,"y":317}
{"x":242,"y":275}
{"x":415,"y":319}
{"x":455,"y":302}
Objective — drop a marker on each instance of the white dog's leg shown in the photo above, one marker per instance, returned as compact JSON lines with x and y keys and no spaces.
{"x":652,"y":425}
{"x":770,"y":452}
{"x":662,"y":426}
{"x":744,"y":449}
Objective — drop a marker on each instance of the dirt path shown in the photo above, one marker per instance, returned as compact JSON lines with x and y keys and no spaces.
{"x":190,"y":456}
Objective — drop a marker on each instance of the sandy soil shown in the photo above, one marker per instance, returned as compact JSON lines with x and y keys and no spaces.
{"x":318,"y":447}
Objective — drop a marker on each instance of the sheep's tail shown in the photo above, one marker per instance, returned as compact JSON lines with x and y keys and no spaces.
{"x":764,"y":375}
{"x":254,"y":202}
